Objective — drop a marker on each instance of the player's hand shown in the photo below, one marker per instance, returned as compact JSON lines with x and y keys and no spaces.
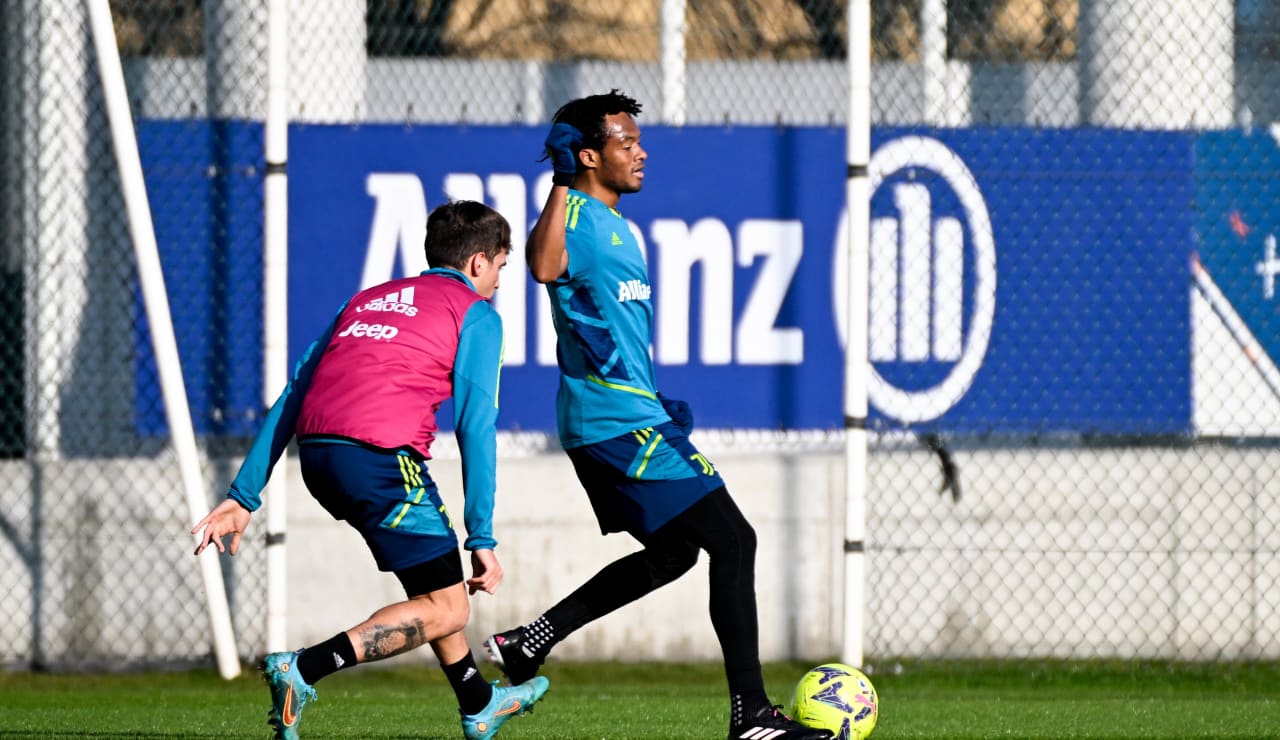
{"x":486,"y":572}
{"x":679,"y":411}
{"x":560,"y":145}
{"x":227,"y":518}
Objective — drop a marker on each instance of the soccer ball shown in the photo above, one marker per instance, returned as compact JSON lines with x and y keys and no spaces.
{"x":839,"y":698}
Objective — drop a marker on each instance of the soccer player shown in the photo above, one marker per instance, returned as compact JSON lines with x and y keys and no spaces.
{"x":362,"y":403}
{"x":629,"y":445}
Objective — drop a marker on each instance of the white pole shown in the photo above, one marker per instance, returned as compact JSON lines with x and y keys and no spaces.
{"x":858,"y":202}
{"x":156,"y":303}
{"x":275,"y":294}
{"x":674,"y":64}
{"x":933,"y":56}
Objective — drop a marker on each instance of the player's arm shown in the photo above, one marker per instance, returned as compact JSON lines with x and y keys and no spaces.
{"x":231,"y":516}
{"x":278,"y":427}
{"x":544,"y":250}
{"x":476,"y":371}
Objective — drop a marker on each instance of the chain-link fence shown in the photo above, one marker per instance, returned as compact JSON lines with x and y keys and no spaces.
{"x":96,"y":568}
{"x":1075,"y":406}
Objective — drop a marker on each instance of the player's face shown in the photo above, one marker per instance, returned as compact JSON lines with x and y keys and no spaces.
{"x":622,"y":159}
{"x":486,"y":273}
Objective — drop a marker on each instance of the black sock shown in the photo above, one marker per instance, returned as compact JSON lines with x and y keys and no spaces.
{"x":744,"y":706}
{"x":469,"y":686}
{"x":539,"y":635}
{"x":318,"y":661}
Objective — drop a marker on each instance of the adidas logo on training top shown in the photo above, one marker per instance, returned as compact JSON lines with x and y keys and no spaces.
{"x":616,"y":239}
{"x":400,"y":301}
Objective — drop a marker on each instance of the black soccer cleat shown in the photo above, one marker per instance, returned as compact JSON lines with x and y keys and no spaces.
{"x":771,"y":724}
{"x":510,"y":650}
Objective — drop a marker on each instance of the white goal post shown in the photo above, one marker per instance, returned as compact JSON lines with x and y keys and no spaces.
{"x":275,"y":304}
{"x":156,"y":302}
{"x":858,"y":202}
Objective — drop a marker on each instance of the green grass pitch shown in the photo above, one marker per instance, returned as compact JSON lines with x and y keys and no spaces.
{"x":919,"y":699}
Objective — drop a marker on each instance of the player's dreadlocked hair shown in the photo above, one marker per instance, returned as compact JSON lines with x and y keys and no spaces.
{"x":587,"y":115}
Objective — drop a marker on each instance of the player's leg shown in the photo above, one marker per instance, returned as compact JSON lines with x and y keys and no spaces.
{"x":436,"y":606}
{"x":624,"y":498}
{"x":717,"y":525}
{"x":484,"y":708}
{"x":389,"y":498}
{"x":522,"y":651}
{"x":663,"y":559}
{"x":391,"y":630}
{"x":437,"y":612}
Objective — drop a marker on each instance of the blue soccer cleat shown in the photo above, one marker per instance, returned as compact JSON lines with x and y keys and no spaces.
{"x":507,"y":702}
{"x":289,"y":694}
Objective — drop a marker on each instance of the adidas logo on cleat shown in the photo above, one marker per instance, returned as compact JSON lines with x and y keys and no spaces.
{"x":762,"y":733}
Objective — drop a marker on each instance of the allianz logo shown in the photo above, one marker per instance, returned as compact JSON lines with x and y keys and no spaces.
{"x":633,"y":290}
{"x":397,"y":302}
{"x":922,"y":306}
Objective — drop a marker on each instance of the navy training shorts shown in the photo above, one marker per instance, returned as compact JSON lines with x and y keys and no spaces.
{"x":641,"y":480}
{"x":387,"y":495}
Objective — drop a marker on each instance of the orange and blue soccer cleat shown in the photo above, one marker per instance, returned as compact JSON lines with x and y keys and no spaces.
{"x":289,"y":694}
{"x":507,"y":702}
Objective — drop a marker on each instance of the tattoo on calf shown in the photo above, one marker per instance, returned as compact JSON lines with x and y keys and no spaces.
{"x":383,"y":641}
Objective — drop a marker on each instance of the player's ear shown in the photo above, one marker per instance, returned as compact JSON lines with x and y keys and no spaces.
{"x":590,"y":158}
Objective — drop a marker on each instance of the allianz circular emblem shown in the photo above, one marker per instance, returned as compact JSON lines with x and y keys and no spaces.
{"x":916,"y":295}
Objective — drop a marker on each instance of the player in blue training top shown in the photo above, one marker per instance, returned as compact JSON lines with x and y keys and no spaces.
{"x":630,"y":445}
{"x":362,"y":403}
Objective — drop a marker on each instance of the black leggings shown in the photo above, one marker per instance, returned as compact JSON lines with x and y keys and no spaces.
{"x":713,"y":524}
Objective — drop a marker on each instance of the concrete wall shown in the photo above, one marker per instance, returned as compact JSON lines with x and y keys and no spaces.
{"x":1062,"y":551}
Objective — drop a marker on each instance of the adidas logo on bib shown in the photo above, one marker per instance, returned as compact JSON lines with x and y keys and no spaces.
{"x":400,"y":301}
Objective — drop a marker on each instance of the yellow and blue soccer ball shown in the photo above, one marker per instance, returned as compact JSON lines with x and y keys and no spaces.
{"x":839,"y":698}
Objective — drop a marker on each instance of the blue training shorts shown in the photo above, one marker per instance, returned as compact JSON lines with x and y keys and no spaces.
{"x":387,"y":495}
{"x":641,"y":480}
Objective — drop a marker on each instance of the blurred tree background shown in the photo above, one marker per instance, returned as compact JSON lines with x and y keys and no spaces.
{"x":988,"y":30}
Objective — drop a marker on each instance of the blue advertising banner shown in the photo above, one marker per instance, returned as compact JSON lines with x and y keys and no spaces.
{"x":1238,"y":220}
{"x":1045,"y":292}
{"x":1089,"y":316}
{"x":204,"y":186}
